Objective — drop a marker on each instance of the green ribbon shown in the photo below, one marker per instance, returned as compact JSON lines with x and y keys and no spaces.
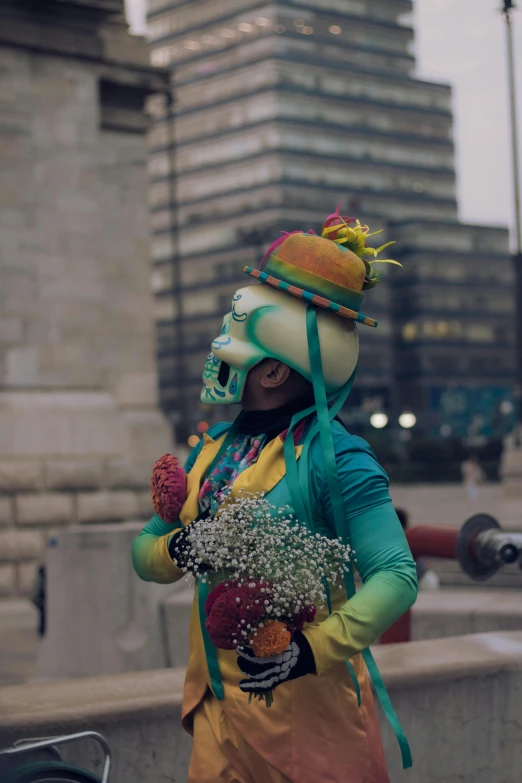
{"x":299,"y":488}
{"x":297,"y":479}
{"x":216,"y":683}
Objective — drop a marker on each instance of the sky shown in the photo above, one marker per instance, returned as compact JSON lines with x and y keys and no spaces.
{"x":463,"y":43}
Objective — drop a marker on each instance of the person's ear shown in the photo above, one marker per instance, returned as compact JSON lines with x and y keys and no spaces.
{"x":276,"y":375}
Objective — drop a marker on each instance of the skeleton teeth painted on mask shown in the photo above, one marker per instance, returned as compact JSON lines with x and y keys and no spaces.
{"x":210,"y":374}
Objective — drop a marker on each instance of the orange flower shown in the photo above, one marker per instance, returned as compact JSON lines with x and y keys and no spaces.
{"x":273,"y":638}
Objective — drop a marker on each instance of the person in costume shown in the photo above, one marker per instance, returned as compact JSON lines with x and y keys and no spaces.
{"x":288,"y":352}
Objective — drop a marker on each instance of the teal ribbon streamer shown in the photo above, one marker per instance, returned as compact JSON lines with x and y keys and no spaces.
{"x":297,"y":479}
{"x":325,"y":433}
{"x":216,"y":683}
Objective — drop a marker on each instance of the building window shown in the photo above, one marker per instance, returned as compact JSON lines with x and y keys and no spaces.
{"x":480,"y":333}
{"x":437,"y":330}
{"x":214,"y":38}
{"x":410,"y":332}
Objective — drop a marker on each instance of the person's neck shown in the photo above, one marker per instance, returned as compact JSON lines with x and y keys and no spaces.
{"x":264,"y":405}
{"x":277,"y":405}
{"x":272,"y":420}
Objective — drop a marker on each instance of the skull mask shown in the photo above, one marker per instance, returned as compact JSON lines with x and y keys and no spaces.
{"x":266,"y":323}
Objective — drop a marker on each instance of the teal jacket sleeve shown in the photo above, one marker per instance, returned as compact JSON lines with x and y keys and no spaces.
{"x":150,"y":550}
{"x":383,"y":557}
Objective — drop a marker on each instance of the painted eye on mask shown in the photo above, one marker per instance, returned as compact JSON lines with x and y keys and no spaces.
{"x":233,"y":385}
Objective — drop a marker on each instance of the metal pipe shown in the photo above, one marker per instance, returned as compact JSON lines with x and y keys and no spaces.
{"x":497,"y":547}
{"x":431,"y":541}
{"x":398,"y":632}
{"x":508,"y":7}
{"x":480,"y":546}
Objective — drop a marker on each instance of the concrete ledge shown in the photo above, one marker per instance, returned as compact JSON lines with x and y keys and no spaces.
{"x":76,"y":703}
{"x":451,"y":575}
{"x":458,"y":699}
{"x":458,"y":612}
{"x":139,"y":714}
{"x":449,"y":659}
{"x":175,"y":616}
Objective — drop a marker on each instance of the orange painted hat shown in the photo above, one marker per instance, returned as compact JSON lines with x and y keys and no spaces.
{"x":330,"y":271}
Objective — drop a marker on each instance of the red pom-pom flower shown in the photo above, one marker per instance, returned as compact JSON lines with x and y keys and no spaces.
{"x":232,"y":610}
{"x":216,"y":593}
{"x":298,"y":621}
{"x":168,"y":488}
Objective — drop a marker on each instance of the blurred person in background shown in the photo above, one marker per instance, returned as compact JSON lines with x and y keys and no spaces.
{"x":472,"y":476}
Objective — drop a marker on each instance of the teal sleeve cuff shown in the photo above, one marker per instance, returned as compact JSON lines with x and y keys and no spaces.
{"x":156,"y":527}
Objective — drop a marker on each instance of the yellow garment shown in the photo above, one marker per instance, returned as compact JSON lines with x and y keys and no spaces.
{"x":221,"y":754}
{"x":315,"y":731}
{"x":262,"y":476}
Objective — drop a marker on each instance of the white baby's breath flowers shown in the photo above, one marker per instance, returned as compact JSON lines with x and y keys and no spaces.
{"x":249,"y":541}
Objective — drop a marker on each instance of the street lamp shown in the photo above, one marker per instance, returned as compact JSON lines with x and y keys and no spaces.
{"x":378,"y":420}
{"x":407,"y":420}
{"x":508,"y":7}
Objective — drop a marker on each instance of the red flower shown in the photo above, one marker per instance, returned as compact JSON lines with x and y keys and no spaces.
{"x":230,"y":610}
{"x":223,"y":627}
{"x":168,"y":488}
{"x":216,"y":593}
{"x":299,"y":620}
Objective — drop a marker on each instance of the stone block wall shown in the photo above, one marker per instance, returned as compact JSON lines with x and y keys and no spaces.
{"x":37,"y":496}
{"x":80,"y":426}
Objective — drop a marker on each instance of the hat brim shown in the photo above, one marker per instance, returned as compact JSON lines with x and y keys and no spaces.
{"x":308,"y":296}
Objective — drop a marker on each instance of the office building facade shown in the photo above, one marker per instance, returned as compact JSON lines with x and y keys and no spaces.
{"x":281,"y":111}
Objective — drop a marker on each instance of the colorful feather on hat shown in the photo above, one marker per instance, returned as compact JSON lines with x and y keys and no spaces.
{"x":354,"y":238}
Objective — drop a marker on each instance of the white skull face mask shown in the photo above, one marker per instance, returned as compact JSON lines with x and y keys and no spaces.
{"x":227,"y":367}
{"x":265,"y":323}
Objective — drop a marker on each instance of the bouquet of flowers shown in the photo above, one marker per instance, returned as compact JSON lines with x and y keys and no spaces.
{"x":274,"y":574}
